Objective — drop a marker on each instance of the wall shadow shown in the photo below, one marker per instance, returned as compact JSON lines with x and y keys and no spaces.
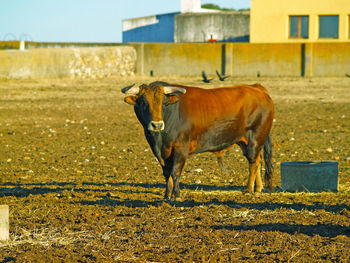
{"x":114,"y":201}
{"x":325,"y":230}
{"x":20,"y":191}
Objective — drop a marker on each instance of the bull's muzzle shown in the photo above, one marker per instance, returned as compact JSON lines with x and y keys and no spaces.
{"x":156,"y":126}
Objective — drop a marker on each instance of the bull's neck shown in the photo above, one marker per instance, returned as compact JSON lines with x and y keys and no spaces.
{"x":159,"y":141}
{"x":171,"y":118}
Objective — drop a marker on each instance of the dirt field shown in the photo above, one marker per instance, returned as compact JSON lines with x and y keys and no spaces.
{"x":83,"y":185}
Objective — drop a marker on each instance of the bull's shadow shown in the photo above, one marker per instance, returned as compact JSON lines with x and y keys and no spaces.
{"x":203,"y":187}
{"x":115,"y":201}
{"x":24,"y":190}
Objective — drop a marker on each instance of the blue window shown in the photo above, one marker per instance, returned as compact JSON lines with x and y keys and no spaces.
{"x":299,"y":26}
{"x":329,"y":26}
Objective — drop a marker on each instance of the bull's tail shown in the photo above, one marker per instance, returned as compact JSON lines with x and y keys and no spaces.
{"x":268,"y":163}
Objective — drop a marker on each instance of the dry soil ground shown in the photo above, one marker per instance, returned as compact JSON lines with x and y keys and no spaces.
{"x":83,"y":186}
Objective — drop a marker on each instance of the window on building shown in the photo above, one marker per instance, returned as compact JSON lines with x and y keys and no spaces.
{"x":329,"y":26}
{"x":298,"y":26}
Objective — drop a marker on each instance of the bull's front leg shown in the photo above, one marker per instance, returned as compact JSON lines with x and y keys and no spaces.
{"x":176,"y":173}
{"x":167,"y":168}
{"x":172,"y":171}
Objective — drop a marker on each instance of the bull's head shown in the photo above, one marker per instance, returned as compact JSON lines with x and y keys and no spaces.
{"x":150,"y":102}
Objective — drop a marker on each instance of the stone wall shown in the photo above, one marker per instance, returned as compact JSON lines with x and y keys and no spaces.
{"x":102,"y":62}
{"x":90,"y":62}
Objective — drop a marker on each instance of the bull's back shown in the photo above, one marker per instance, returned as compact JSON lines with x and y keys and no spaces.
{"x":204,"y":106}
{"x":219,"y":117}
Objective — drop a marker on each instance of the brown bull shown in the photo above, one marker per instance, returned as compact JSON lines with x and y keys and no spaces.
{"x":179,"y":121}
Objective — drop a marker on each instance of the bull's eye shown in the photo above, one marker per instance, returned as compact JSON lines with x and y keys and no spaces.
{"x":141,"y":102}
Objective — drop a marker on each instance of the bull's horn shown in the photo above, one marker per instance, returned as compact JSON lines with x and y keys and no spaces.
{"x":131,"y":89}
{"x":174,"y":89}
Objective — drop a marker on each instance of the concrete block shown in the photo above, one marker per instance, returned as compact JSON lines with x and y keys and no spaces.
{"x":4,"y":222}
{"x":309,"y":176}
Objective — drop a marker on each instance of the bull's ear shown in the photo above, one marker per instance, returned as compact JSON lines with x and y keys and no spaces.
{"x":172,"y":99}
{"x":130,"y":100}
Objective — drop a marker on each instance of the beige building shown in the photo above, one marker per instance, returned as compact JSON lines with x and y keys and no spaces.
{"x":281,"y":21}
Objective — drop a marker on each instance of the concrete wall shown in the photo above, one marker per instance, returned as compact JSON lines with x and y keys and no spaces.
{"x":269,"y":19}
{"x":329,"y":59}
{"x":264,"y":59}
{"x":177,"y":59}
{"x":221,"y":26}
{"x":161,"y":59}
{"x":244,"y":59}
{"x":68,"y":62}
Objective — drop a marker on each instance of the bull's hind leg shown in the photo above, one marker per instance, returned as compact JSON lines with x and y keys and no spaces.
{"x":221,"y":165}
{"x":251,"y":151}
{"x":254,"y":176}
{"x":220,"y":155}
{"x":258,"y":181}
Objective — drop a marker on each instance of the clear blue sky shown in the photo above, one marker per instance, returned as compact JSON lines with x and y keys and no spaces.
{"x":82,"y":20}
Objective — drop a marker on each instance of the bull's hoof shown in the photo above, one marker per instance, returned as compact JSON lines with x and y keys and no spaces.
{"x":248,"y":192}
{"x":223,"y":170}
{"x":177,"y":199}
{"x":166,"y":197}
{"x":259,"y":190}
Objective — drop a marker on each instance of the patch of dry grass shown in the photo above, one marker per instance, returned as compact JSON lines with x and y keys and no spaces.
{"x":46,"y":237}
